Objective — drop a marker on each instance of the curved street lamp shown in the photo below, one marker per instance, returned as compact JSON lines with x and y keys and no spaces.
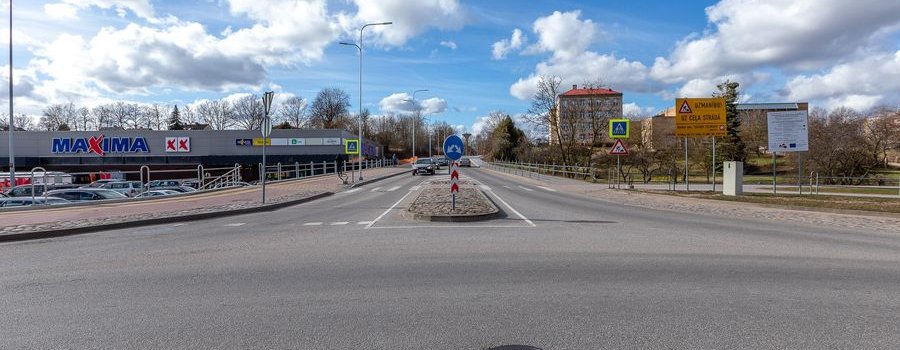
{"x":359,"y":46}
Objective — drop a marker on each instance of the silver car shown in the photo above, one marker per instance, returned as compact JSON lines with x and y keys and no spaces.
{"x":86,"y":194}
{"x":128,"y":188}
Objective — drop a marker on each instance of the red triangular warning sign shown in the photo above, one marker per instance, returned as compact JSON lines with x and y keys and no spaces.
{"x":685,"y":107}
{"x":618,"y":149}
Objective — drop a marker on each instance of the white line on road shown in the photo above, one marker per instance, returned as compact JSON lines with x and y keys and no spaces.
{"x":339,"y":223}
{"x":312,"y":224}
{"x":353,"y":190}
{"x":513,"y":210}
{"x":526,"y":188}
{"x":389,"y":209}
{"x":375,"y":189}
{"x":507,"y":187}
{"x":414,"y":188}
{"x":363,"y":222}
{"x":236,"y":224}
{"x":485,"y":188}
{"x":546,"y":188}
{"x":392,"y":189}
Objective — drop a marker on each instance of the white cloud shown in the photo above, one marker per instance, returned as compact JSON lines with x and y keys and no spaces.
{"x":397,"y":103}
{"x":564,"y":34}
{"x":410,"y":18}
{"x":501,"y":48}
{"x":797,"y":34}
{"x":61,"y":11}
{"x":68,"y":9}
{"x":449,"y":44}
{"x":617,"y":73}
{"x":633,"y":109}
{"x":434,"y":105}
{"x":859,"y":84}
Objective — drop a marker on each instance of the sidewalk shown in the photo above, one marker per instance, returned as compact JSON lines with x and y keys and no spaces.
{"x":204,"y":203}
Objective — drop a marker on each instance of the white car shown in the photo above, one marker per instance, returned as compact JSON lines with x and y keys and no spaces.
{"x":156,"y":193}
{"x":128,"y":188}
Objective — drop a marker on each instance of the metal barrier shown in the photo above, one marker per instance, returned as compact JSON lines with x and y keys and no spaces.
{"x":43,"y":182}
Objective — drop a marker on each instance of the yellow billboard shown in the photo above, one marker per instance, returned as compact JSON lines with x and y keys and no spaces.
{"x":699,"y":117}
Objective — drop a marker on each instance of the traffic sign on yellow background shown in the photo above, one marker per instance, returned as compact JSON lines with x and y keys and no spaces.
{"x":697,"y":117}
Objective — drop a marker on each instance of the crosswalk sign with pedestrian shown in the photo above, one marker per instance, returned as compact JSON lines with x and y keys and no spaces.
{"x":619,"y":128}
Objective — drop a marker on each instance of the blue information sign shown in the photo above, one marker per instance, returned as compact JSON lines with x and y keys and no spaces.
{"x":453,"y":147}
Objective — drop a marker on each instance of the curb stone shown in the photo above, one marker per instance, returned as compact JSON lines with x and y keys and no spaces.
{"x":22,"y":236}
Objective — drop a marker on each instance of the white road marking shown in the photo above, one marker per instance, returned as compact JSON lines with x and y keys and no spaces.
{"x":312,"y":224}
{"x":526,"y":188}
{"x":546,"y":188}
{"x":181,"y":224}
{"x":414,"y":188}
{"x":392,"y":189}
{"x":513,"y":210}
{"x":447,"y":226}
{"x":375,"y":189}
{"x":236,"y":224}
{"x":389,"y":209}
{"x":485,"y":188}
{"x":363,"y":222}
{"x":507,"y":187}
{"x":353,"y":190}
{"x":339,"y":223}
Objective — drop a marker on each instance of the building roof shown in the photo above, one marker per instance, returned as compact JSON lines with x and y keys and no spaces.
{"x":575,"y":91}
{"x":767,"y":106}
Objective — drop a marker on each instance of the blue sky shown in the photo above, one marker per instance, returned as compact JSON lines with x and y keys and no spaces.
{"x":828,"y":52}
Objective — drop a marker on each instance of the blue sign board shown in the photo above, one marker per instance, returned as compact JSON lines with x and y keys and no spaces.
{"x":99,"y":145}
{"x":453,"y":147}
{"x":243,"y":142}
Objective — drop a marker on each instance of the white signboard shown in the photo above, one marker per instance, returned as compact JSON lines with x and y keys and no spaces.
{"x":287,"y":142}
{"x":788,"y":131}
{"x":332,"y":141}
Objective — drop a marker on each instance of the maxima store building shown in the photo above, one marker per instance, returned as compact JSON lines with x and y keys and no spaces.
{"x":128,"y":150}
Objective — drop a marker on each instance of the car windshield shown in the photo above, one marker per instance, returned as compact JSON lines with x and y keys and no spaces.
{"x":424,"y":161}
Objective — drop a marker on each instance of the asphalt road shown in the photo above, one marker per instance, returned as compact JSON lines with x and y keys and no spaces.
{"x":560,"y":271}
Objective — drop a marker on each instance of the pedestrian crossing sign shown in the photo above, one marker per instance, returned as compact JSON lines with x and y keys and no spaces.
{"x":619,"y":128}
{"x":351,"y":146}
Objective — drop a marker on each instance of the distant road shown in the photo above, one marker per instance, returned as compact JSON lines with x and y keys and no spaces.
{"x":560,"y":271}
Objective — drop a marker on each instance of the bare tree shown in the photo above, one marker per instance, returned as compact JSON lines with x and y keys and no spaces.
{"x":188,"y":116}
{"x":293,"y":111}
{"x":543,"y":113}
{"x":882,"y":129}
{"x":20,"y":121}
{"x":248,"y":112}
{"x":102,"y":116}
{"x":216,"y":113}
{"x":329,"y":109}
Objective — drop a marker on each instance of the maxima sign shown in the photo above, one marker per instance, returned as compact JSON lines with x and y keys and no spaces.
{"x":99,"y":145}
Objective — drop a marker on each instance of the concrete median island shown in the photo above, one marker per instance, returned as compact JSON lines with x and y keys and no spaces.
{"x":433,"y":203}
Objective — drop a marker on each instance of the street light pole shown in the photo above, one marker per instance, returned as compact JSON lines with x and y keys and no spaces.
{"x":359,"y":46}
{"x":11,"y":126}
{"x":416,"y":120}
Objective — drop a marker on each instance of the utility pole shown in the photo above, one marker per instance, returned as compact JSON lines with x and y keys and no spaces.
{"x":11,"y":126}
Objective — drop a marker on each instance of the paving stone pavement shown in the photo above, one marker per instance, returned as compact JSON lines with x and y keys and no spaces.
{"x":876,"y":223}
{"x":434,"y":199}
{"x":123,"y":212}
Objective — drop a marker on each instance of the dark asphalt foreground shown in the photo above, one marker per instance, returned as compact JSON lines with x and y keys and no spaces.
{"x":568,"y":273}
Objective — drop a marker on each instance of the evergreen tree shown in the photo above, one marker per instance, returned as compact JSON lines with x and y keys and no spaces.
{"x":732,"y":148}
{"x":506,"y":138}
{"x":175,"y":120}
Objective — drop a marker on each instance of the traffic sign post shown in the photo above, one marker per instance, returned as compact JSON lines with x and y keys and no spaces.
{"x":618,"y":149}
{"x":266,"y":129}
{"x":619,"y":128}
{"x":453,"y":150}
{"x":699,"y":117}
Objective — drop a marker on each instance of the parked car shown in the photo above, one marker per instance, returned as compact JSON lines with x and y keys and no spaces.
{"x":465,"y":162}
{"x":179,"y":189}
{"x":128,"y":188}
{"x":163,"y":183}
{"x":234,"y":184}
{"x":191,"y":183}
{"x":10,"y":202}
{"x":99,"y":183}
{"x":156,"y":193}
{"x":86,"y":194}
{"x":25,"y":190}
{"x":423,"y":166}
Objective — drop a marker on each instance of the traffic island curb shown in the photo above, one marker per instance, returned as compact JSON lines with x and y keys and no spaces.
{"x":366,"y":182}
{"x":50,"y":233}
{"x":493,"y":211}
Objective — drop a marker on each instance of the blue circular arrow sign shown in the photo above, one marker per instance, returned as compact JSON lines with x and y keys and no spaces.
{"x":453,"y":147}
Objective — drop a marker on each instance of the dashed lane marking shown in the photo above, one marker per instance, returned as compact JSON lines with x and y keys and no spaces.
{"x":353,"y":190}
{"x":546,"y":188}
{"x":392,"y":189}
{"x":363,"y":222}
{"x":526,"y":188}
{"x":415,"y":188}
{"x":236,"y":224}
{"x":375,"y":189}
{"x":312,"y":224}
{"x":339,"y":223}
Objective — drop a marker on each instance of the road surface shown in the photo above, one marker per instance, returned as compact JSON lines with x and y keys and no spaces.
{"x":559,"y":271}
